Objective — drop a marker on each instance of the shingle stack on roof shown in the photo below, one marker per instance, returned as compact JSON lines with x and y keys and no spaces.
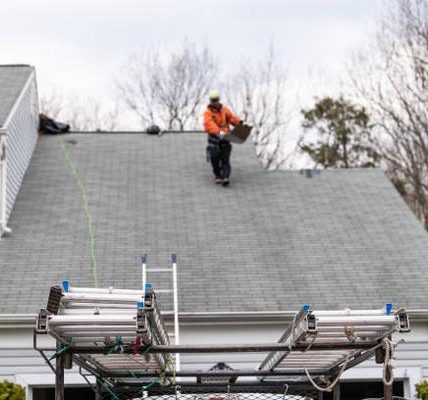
{"x":272,"y":241}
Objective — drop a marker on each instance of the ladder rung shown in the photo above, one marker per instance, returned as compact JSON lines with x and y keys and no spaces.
{"x":163,"y":291}
{"x":158,"y":270}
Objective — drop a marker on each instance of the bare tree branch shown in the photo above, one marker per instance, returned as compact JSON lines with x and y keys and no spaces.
{"x":167,"y":92}
{"x":393,"y":80}
{"x":258,"y":94}
{"x":81,"y":114}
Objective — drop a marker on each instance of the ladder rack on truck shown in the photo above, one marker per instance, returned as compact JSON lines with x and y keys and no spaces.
{"x":330,"y":329}
{"x":103,"y":322}
{"x":119,"y":337}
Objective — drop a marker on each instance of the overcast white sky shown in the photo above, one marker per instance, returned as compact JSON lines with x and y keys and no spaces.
{"x":78,"y":45}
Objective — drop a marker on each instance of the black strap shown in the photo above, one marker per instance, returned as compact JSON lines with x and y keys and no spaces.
{"x":214,"y":140}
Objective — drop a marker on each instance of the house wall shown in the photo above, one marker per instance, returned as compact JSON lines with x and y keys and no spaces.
{"x":21,"y":132}
{"x":20,"y":363}
{"x":2,"y":178}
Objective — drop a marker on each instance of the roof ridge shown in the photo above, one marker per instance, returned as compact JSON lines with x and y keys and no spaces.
{"x":134,"y":132}
{"x":15,"y":65}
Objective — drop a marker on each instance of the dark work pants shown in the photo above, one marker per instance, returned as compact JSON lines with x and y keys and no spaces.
{"x":220,"y":158}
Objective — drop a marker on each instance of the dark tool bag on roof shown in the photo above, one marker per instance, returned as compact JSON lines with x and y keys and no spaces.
{"x":50,"y":126}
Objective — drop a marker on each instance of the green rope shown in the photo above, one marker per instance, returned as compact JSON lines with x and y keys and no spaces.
{"x":114,"y":347}
{"x":90,"y":225}
{"x":113,"y":395}
{"x":131,"y":373}
{"x":59,"y":352}
{"x":149,"y":385}
{"x":147,"y":349}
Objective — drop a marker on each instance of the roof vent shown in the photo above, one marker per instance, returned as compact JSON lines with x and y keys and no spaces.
{"x":220,"y":366}
{"x":153,"y":130}
{"x":310,"y":172}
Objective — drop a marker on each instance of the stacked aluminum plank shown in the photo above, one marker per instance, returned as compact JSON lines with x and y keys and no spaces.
{"x":108,"y":319}
{"x":336,"y":328}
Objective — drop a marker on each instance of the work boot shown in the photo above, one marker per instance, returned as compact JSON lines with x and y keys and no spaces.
{"x":225,"y":181}
{"x":217,"y":180}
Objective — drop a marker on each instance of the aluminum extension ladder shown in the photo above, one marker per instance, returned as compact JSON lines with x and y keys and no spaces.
{"x":169,"y":290}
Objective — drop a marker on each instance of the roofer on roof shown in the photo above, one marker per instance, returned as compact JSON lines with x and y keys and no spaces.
{"x":217,"y":121}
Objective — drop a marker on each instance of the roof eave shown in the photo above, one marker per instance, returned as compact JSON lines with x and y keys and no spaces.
{"x":263,"y":317}
{"x":17,"y":320}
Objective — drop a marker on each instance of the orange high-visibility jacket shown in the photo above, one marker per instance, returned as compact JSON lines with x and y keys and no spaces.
{"x":219,"y":120}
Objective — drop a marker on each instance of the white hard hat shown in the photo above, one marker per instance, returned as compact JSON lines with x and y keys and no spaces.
{"x":214,"y":94}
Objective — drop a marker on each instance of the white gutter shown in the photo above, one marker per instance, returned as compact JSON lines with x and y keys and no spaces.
{"x":17,"y":321}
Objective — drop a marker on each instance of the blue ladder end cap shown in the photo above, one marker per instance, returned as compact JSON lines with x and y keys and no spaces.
{"x":306,"y":307}
{"x":66,"y":286}
{"x":388,"y":308}
{"x":148,"y":286}
{"x":140,"y":304}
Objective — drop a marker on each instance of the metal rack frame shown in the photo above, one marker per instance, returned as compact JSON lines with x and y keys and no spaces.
{"x":318,"y":342}
{"x":312,"y":330}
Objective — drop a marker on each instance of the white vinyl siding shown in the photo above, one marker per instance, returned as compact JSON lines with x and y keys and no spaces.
{"x":21,"y":136}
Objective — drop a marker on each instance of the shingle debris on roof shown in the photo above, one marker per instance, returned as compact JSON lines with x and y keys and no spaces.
{"x":272,"y":241}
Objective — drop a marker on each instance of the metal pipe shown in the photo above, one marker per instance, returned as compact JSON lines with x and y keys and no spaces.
{"x":47,"y":361}
{"x":277,"y":387}
{"x":100,"y":311}
{"x":228,"y":348}
{"x":304,"y":364}
{"x":59,"y":376}
{"x":94,"y":328}
{"x":273,"y":359}
{"x":349,"y":313}
{"x":100,"y":333}
{"x":355,"y":328}
{"x":358,"y":320}
{"x":336,"y":392}
{"x":191,"y":374}
{"x":95,"y":291}
{"x":176,"y":322}
{"x":341,"y":340}
{"x":316,"y":354}
{"x":144,"y":271}
{"x":56,"y":320}
{"x":92,"y":305}
{"x":303,"y":358}
{"x":362,"y":333}
{"x":127,"y":340}
{"x":102,"y":297}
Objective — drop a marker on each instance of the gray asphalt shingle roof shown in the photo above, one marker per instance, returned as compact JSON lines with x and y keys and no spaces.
{"x":272,"y":241}
{"x":12,"y":81}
